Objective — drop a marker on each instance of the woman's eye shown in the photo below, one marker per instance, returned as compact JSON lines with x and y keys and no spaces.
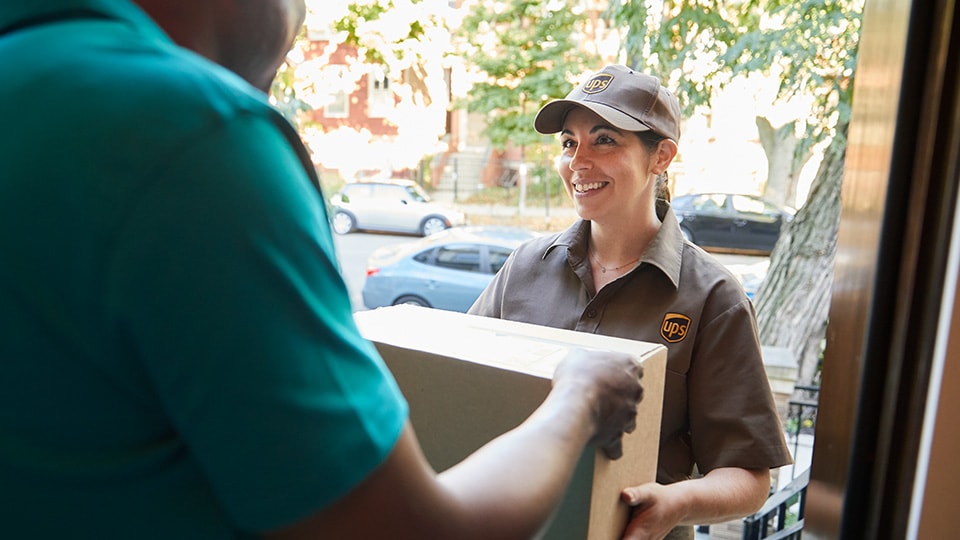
{"x":604,"y":139}
{"x":567,"y":143}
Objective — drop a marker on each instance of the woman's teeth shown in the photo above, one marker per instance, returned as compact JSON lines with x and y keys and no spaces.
{"x":583,"y":188}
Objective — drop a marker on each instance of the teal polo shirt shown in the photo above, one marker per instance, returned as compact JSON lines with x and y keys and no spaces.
{"x":178,"y":357}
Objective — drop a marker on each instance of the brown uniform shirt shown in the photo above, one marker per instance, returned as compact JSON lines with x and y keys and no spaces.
{"x":718,"y":409}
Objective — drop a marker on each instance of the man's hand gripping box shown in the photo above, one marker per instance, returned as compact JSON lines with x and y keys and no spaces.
{"x":469,"y":379}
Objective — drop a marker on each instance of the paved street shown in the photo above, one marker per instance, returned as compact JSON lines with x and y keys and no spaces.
{"x":354,"y":249}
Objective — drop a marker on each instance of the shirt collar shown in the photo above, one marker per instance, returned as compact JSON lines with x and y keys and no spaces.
{"x":20,"y":13}
{"x":664,"y":252}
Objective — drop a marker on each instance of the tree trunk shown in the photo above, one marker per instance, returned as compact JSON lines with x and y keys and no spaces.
{"x":784,"y":162}
{"x":794,"y":299}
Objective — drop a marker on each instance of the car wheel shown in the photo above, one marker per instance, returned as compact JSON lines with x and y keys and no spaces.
{"x":687,"y":235}
{"x":432,"y":224}
{"x":411,"y":300}
{"x":343,"y":222}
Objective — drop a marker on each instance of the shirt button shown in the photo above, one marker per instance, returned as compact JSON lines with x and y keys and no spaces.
{"x":591,"y":314}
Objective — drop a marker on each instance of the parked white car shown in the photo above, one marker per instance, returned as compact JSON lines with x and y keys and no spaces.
{"x":390,"y":205}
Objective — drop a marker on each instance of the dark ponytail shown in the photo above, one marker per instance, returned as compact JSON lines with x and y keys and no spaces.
{"x":663,"y":186}
{"x":651,"y":140}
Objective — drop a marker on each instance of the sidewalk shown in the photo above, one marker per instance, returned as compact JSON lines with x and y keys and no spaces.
{"x":535,"y":217}
{"x":515,"y":211}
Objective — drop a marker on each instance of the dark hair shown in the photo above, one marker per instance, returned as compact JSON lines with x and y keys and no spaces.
{"x":663,"y":186}
{"x":651,"y":139}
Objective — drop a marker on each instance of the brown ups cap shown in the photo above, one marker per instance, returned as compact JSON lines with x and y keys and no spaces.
{"x":628,"y":99}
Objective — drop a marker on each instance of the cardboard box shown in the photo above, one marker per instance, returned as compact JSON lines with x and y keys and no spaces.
{"x":469,"y":379}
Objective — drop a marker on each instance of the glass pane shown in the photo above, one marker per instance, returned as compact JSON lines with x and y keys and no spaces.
{"x":417,"y":193}
{"x":498,"y":256}
{"x":423,"y":256}
{"x":709,"y":203}
{"x":747,"y":205}
{"x":383,"y":191}
{"x":459,"y":258}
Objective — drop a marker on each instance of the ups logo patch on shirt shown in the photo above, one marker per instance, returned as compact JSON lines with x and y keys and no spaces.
{"x":674,"y":327}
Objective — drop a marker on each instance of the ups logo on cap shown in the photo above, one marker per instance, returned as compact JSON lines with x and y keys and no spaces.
{"x":674,"y":327}
{"x":597,"y":84}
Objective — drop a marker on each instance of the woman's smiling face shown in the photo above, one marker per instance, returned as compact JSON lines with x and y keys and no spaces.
{"x":605,"y":170}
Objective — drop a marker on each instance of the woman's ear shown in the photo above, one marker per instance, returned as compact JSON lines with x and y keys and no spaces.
{"x":663,"y":155}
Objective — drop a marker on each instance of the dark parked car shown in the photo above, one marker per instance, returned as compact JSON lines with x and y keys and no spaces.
{"x":730,"y":222}
{"x":447,"y":270}
{"x":390,"y":205}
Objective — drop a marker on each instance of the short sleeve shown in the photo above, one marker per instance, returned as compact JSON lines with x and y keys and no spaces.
{"x":733,"y":418}
{"x":225,"y":285}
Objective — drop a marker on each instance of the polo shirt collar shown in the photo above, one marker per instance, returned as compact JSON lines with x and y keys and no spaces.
{"x":17,"y":13}
{"x":664,"y":252}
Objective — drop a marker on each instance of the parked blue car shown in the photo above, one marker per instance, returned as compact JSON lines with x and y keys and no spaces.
{"x":446,"y":270}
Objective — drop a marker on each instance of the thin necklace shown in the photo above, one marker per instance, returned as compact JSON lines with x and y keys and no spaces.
{"x":604,"y":269}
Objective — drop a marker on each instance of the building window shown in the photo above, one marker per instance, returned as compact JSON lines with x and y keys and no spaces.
{"x":339,"y":106}
{"x":379,"y":95}
{"x":339,"y":101}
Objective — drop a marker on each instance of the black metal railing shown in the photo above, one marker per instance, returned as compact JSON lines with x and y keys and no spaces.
{"x":801,"y":418}
{"x":781,"y":517}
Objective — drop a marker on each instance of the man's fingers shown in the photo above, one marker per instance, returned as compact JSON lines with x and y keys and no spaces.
{"x":614,"y":449}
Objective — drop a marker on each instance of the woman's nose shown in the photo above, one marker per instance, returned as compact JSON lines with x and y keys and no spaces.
{"x":579,"y":160}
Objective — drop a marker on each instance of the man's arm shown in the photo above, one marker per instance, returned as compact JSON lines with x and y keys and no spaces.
{"x":508,"y":488}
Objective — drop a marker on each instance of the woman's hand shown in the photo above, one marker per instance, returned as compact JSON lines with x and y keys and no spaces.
{"x":656,"y":510}
{"x":723,"y":494}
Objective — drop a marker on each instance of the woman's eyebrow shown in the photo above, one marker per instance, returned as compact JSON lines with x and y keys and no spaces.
{"x":594,"y":129}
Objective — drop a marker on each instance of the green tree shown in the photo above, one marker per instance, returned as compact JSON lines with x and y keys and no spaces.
{"x":408,"y":38}
{"x":699,"y":46}
{"x":811,"y":46}
{"x":526,"y":52}
{"x":400,"y":47}
{"x":284,"y":96}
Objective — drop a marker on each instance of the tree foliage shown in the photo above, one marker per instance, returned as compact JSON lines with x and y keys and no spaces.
{"x":400,"y":49}
{"x":525,"y":53}
{"x":284,"y":96}
{"x":407,"y":37}
{"x":700,"y":45}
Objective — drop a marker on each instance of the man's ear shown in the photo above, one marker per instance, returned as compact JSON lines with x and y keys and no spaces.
{"x":663,"y":155}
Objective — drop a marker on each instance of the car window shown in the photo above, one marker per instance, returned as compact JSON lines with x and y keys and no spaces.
{"x":498,"y":256}
{"x":770,"y":209}
{"x":424,"y":256}
{"x":749,"y":205}
{"x":708,"y":202}
{"x":458,"y":258}
{"x":354,"y":191}
{"x":385,"y":191}
{"x":416,"y":193}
